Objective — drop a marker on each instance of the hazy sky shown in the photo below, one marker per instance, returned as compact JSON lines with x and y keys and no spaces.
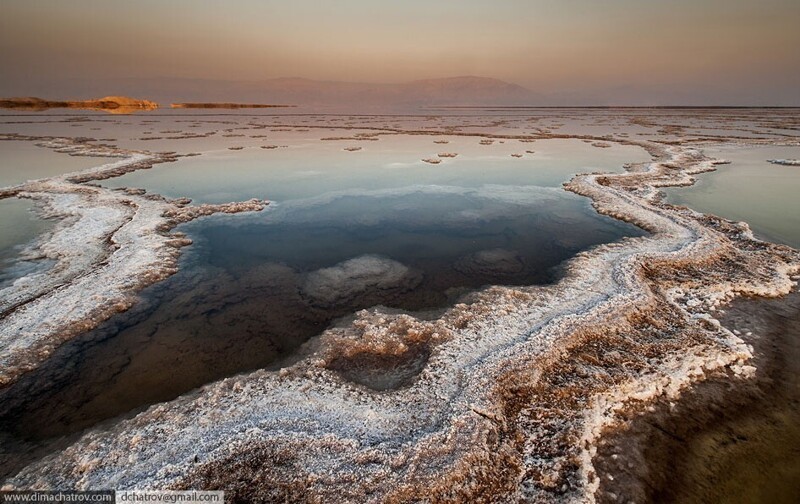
{"x":748,"y":49}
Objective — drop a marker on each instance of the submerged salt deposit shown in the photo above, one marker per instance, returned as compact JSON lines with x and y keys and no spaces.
{"x":785,"y":162}
{"x":355,"y":277}
{"x":504,"y":394}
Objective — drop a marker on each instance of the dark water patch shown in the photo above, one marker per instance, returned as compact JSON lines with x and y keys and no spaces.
{"x":253,"y":290}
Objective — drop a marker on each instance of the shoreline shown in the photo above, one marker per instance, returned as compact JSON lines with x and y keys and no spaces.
{"x":725,"y":436}
{"x":518,"y":385}
{"x":107,"y":246}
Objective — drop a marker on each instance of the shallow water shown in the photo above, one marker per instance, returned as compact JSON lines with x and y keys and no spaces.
{"x":255,"y":287}
{"x":19,"y":227}
{"x":22,"y":160}
{"x":765,"y":195}
{"x":346,"y":230}
{"x":308,"y":167}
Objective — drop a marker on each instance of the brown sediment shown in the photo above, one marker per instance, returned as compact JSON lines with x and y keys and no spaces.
{"x":726,"y":439}
{"x":505,"y":397}
{"x":432,"y":160}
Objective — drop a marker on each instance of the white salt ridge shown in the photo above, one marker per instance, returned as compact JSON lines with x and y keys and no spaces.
{"x":107,"y":246}
{"x":455,"y":426}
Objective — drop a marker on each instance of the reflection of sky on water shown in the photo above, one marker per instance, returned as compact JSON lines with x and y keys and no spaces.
{"x":22,"y":160}
{"x":18,"y":227}
{"x":241,"y":299}
{"x":414,"y":225}
{"x":305,"y":169}
{"x":374,"y":227}
{"x":750,"y":189}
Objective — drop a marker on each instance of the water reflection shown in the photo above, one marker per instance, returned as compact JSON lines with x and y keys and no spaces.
{"x":254,"y":289}
{"x":750,"y":189}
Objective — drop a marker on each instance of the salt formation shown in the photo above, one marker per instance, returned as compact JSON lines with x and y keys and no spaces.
{"x":491,"y":262}
{"x":502,"y":399}
{"x":357,"y":279}
{"x":108,"y":245}
{"x":784,"y":162}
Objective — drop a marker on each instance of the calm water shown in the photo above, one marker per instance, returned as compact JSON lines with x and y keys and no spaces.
{"x":307,"y":167}
{"x":765,"y":195}
{"x":346,"y":231}
{"x":19,"y":227}
{"x":22,"y":160}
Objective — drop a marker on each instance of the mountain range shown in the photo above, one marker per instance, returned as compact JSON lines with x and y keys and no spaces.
{"x":308,"y":94}
{"x":453,"y":91}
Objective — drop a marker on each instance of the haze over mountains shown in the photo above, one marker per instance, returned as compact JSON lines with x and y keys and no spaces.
{"x":307,"y":92}
{"x":365,"y":97}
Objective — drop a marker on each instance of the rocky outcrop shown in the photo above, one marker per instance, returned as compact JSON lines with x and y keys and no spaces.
{"x":785,"y":162}
{"x":115,"y":104}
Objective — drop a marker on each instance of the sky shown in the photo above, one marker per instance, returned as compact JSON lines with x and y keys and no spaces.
{"x":691,"y":50}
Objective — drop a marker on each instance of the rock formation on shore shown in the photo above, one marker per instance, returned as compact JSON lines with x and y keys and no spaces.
{"x":114,"y":104}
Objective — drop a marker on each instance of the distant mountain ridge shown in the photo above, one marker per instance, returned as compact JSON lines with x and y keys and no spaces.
{"x":409,"y":96}
{"x":468,"y":90}
{"x":447,"y":91}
